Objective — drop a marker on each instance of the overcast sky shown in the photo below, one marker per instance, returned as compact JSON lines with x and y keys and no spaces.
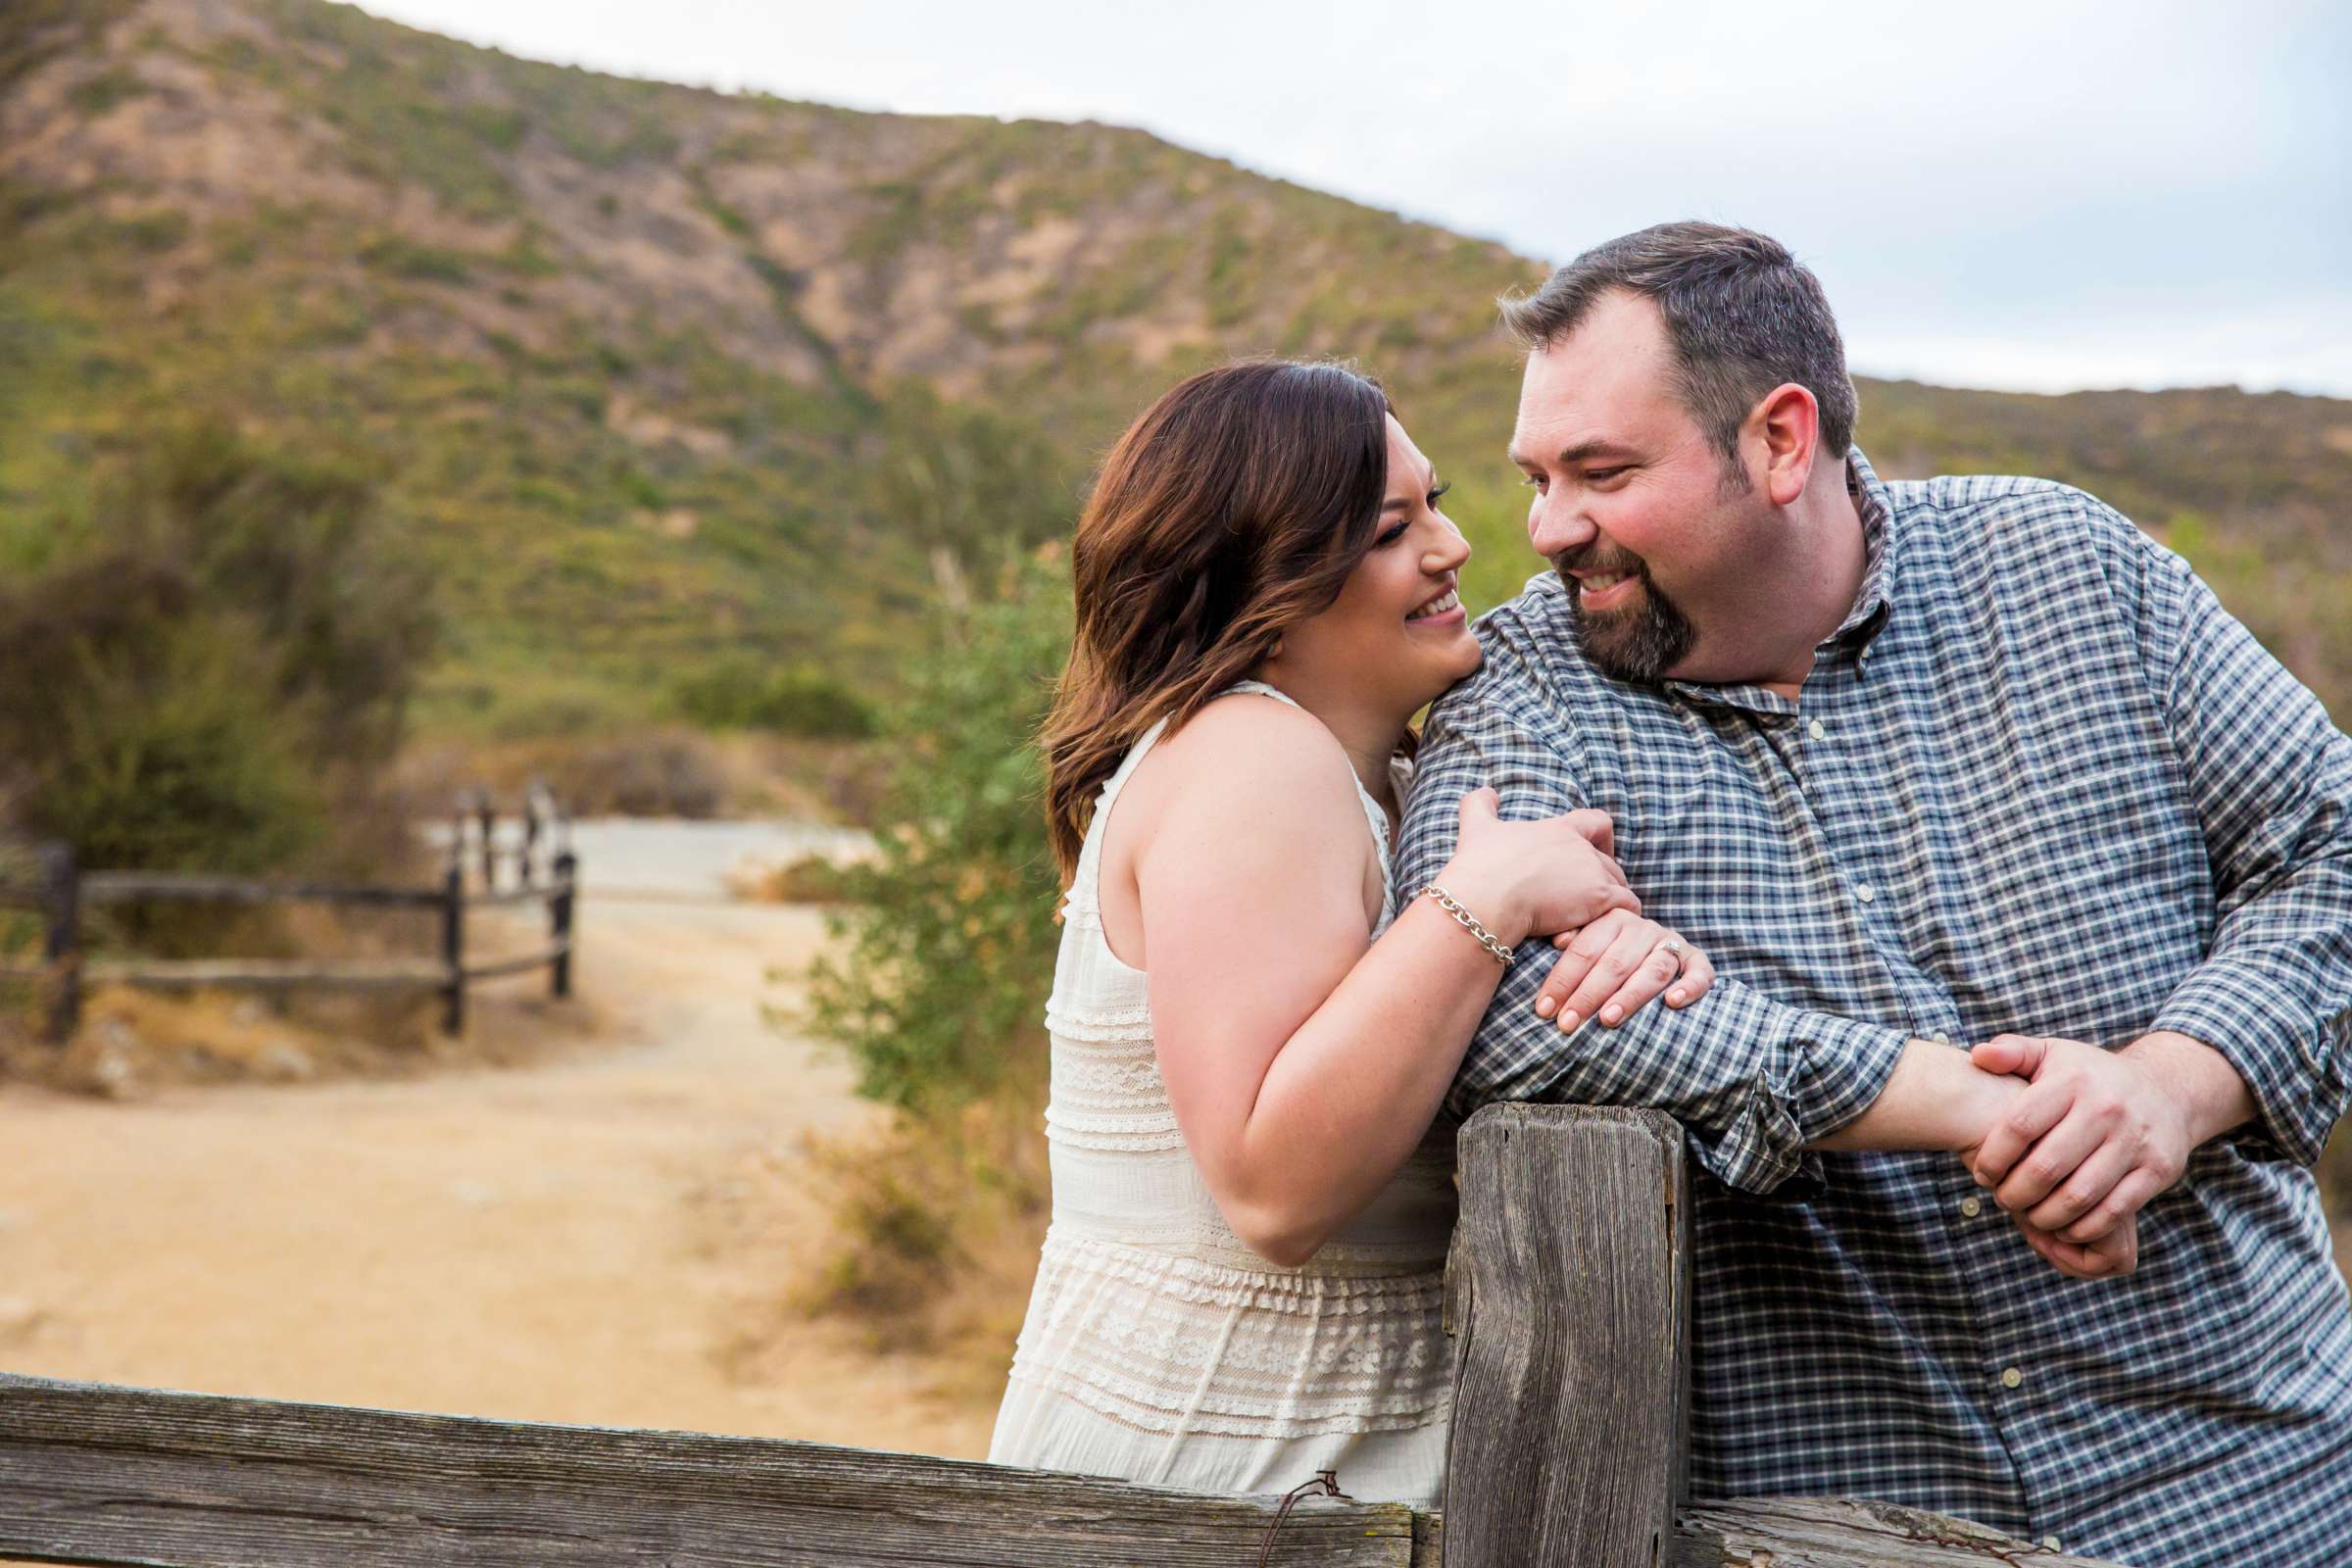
{"x":2039,"y":194}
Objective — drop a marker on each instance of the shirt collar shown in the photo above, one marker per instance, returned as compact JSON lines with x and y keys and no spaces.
{"x":1875,"y":599}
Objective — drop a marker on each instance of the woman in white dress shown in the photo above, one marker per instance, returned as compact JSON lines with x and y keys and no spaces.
{"x":1252,"y":1030}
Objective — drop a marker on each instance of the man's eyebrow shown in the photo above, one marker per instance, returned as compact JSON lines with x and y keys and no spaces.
{"x":1582,"y":451}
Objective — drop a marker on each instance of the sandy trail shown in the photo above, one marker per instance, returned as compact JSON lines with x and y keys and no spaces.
{"x":548,"y":1242}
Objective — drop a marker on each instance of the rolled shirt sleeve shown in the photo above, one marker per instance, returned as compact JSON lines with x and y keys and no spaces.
{"x":1753,"y":1080}
{"x":2271,"y":778}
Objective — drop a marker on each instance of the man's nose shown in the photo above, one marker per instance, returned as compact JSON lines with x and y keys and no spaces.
{"x":1553,"y":528}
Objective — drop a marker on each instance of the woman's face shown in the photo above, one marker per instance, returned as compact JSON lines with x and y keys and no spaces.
{"x":1397,"y":636}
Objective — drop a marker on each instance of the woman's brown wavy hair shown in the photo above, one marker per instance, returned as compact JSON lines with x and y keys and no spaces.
{"x":1234,"y":507}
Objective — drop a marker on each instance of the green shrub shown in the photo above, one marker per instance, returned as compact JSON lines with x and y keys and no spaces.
{"x":528,"y":255}
{"x":154,"y":232}
{"x":398,"y":257}
{"x":96,"y":95}
{"x":969,"y":479}
{"x":794,"y":700}
{"x":181,"y":770}
{"x":951,"y":939}
{"x":200,"y":675}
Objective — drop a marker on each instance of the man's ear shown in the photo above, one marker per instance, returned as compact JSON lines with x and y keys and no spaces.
{"x":1788,"y":421}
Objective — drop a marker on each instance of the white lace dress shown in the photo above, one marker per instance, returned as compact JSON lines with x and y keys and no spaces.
{"x":1157,"y":1347}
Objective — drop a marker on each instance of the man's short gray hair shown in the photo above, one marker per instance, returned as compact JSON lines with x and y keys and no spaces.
{"x":1743,"y":316}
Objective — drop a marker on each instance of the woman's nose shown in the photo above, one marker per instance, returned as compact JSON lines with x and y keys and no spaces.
{"x":1448,"y":553}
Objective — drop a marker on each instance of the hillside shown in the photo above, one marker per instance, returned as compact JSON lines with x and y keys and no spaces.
{"x":659,"y":377}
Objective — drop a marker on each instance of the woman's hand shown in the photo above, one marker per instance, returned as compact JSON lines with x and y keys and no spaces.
{"x":1525,"y":879}
{"x":1615,"y":965}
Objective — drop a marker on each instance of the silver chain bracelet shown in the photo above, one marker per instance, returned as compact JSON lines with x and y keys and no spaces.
{"x":1469,"y":922}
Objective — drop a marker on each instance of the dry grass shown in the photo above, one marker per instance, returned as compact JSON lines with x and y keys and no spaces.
{"x":665,"y":771}
{"x":927,"y":1241}
{"x":132,"y":1040}
{"x":811,"y":879}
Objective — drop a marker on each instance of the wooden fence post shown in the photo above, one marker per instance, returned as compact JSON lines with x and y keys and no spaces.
{"x":60,"y":903}
{"x":530,"y":839}
{"x":461,"y":808}
{"x":489,"y":818}
{"x":559,"y":909}
{"x":453,"y":947}
{"x":1568,"y":1293}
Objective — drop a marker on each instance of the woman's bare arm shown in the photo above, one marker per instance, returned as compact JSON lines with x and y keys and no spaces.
{"x":1303,"y":1067}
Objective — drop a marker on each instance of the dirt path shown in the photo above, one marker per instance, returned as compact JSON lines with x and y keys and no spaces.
{"x":558,"y":1241}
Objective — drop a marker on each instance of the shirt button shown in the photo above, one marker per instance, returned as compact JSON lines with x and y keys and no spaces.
{"x":1971,"y":1208}
{"x":2050,"y":1544}
{"x":1818,"y":730}
{"x":1940,"y":1038}
{"x":1866,"y":893}
{"x":2011,"y":1378}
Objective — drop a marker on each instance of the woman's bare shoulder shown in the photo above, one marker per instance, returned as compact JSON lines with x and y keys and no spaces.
{"x":1251,"y":783}
{"x":1246,"y":769}
{"x":1257,"y":742}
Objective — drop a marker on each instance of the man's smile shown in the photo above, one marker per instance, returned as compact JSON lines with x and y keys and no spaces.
{"x":1605,"y":590}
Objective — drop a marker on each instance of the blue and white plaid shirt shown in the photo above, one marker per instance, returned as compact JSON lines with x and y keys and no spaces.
{"x":2039,"y":781}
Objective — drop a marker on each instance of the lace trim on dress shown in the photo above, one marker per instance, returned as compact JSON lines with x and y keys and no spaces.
{"x":1130,"y":1076}
{"x":1402,"y":1271}
{"x":1108,"y":1092}
{"x":1150,"y":1419}
{"x":1099,"y":1028}
{"x":1285,"y":1355}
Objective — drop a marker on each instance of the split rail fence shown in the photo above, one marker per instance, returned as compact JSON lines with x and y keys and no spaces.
{"x":546,"y":871}
{"x":1568,"y":1294}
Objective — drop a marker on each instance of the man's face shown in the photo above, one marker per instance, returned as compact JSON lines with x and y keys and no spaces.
{"x":1636,"y":510}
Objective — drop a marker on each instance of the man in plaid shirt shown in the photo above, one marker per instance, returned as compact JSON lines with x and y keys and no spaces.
{"x":1926,"y":767}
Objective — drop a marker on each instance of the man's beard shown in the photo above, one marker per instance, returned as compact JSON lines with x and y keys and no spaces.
{"x":1640,"y":643}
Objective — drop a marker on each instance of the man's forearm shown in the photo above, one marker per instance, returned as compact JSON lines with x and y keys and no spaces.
{"x":1934,"y":1100}
{"x":2271,"y":778}
{"x":1937,"y":1100}
{"x":2200,"y":1079}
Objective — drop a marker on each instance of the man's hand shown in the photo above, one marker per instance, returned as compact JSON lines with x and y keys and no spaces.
{"x":2096,"y":1136}
{"x":2112,"y":1255}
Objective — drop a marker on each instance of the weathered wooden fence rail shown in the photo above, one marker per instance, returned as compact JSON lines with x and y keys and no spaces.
{"x":64,"y":891}
{"x":1568,"y":1294}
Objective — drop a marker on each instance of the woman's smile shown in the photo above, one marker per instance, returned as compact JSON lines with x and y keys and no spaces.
{"x":1443,"y":612}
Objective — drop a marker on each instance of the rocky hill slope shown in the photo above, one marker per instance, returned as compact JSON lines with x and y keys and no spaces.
{"x":660,"y":377}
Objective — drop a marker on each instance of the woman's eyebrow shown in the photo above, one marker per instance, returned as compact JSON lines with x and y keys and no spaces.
{"x":1403,"y":503}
